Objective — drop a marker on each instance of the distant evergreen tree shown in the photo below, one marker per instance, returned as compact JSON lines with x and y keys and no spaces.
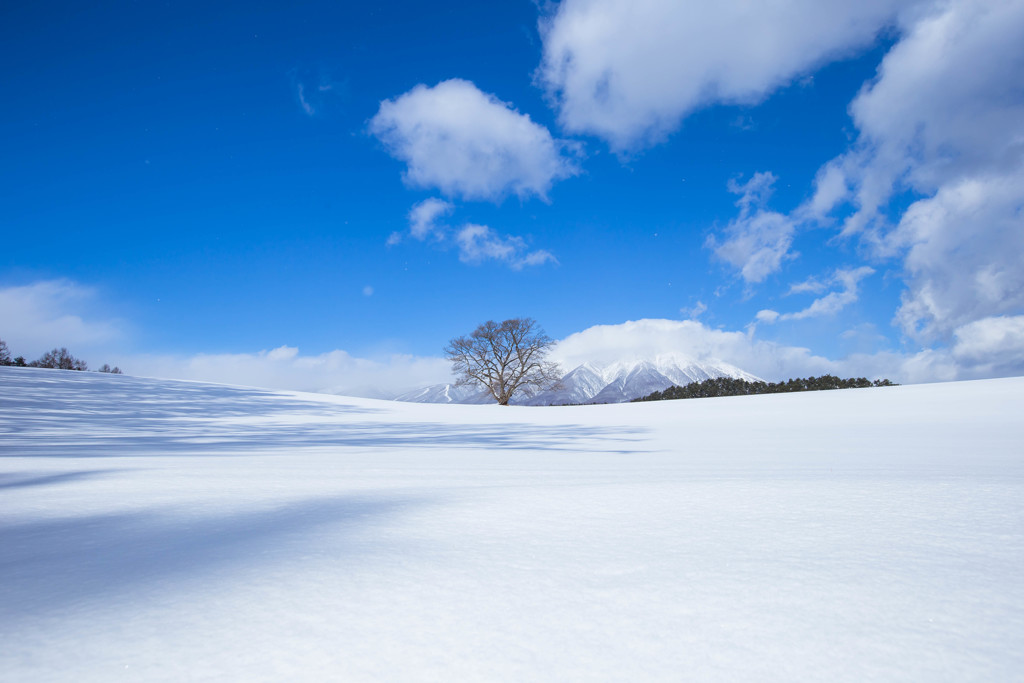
{"x":729,"y":386}
{"x":112,"y":370}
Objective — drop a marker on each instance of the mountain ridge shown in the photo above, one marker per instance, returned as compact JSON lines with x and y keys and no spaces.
{"x":594,"y":382}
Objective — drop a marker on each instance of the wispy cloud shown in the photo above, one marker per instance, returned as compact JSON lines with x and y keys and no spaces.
{"x":758,"y":240}
{"x":479,"y":243}
{"x":312,"y":92}
{"x":306,"y":106}
{"x":848,"y":281}
{"x":476,"y":243}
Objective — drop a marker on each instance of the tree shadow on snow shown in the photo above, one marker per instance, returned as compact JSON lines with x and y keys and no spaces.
{"x":252,"y":439}
{"x":52,"y":565}
{"x":69,"y":414}
{"x":25,"y":480}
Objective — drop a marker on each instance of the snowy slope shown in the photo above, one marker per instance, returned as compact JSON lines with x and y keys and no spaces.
{"x":156,"y":530}
{"x":446,"y":393}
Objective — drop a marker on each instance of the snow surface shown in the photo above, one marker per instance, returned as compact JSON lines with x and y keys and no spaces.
{"x":159,"y":530}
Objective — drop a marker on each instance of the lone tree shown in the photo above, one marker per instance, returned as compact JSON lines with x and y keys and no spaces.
{"x":505,"y":358}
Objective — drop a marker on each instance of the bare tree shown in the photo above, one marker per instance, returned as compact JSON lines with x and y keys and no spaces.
{"x":61,"y":359}
{"x":112,"y":370}
{"x":5,"y":354}
{"x":505,"y":358}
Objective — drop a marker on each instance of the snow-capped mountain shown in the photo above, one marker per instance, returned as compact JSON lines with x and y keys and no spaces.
{"x":599,"y":383}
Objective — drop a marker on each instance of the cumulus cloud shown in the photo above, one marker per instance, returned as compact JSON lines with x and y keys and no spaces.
{"x":469,"y":144}
{"x":997,"y":342}
{"x":423,"y":218}
{"x":758,"y":240}
{"x":37,"y":317}
{"x":944,"y":121}
{"x":981,"y":354}
{"x":965,"y":246}
{"x":649,"y":338}
{"x":628,"y":71}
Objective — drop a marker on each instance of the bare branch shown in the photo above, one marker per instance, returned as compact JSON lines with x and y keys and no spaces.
{"x":505,"y":358}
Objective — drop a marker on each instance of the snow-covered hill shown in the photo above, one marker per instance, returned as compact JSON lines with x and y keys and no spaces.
{"x":158,"y":530}
{"x":446,"y":393}
{"x":598,"y":383}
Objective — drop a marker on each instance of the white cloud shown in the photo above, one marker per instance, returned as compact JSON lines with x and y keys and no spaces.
{"x":38,"y":317}
{"x":423,"y":218}
{"x":313,"y":92}
{"x":964,"y":255}
{"x":479,"y":243}
{"x":811,"y":285}
{"x":848,"y":279}
{"x":630,"y":70}
{"x":758,"y":240}
{"x":982,"y":353}
{"x":945,"y":121}
{"x":653,"y":337}
{"x":476,"y":243}
{"x":996,"y":340}
{"x":335,"y":372}
{"x":469,"y":144}
{"x":306,"y":105}
{"x":694,"y":311}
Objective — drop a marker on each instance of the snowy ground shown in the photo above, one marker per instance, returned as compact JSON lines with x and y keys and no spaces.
{"x":157,"y":530}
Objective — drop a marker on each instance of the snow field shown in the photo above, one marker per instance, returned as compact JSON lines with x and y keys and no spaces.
{"x":156,"y":530}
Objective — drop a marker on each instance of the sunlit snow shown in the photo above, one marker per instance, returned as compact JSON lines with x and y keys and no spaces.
{"x":180,"y":531}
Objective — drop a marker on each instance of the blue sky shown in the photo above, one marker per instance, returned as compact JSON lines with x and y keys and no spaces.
{"x":804,"y":186}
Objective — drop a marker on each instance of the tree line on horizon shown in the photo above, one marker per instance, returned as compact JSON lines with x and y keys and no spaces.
{"x":729,"y":386}
{"x":56,"y":358}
